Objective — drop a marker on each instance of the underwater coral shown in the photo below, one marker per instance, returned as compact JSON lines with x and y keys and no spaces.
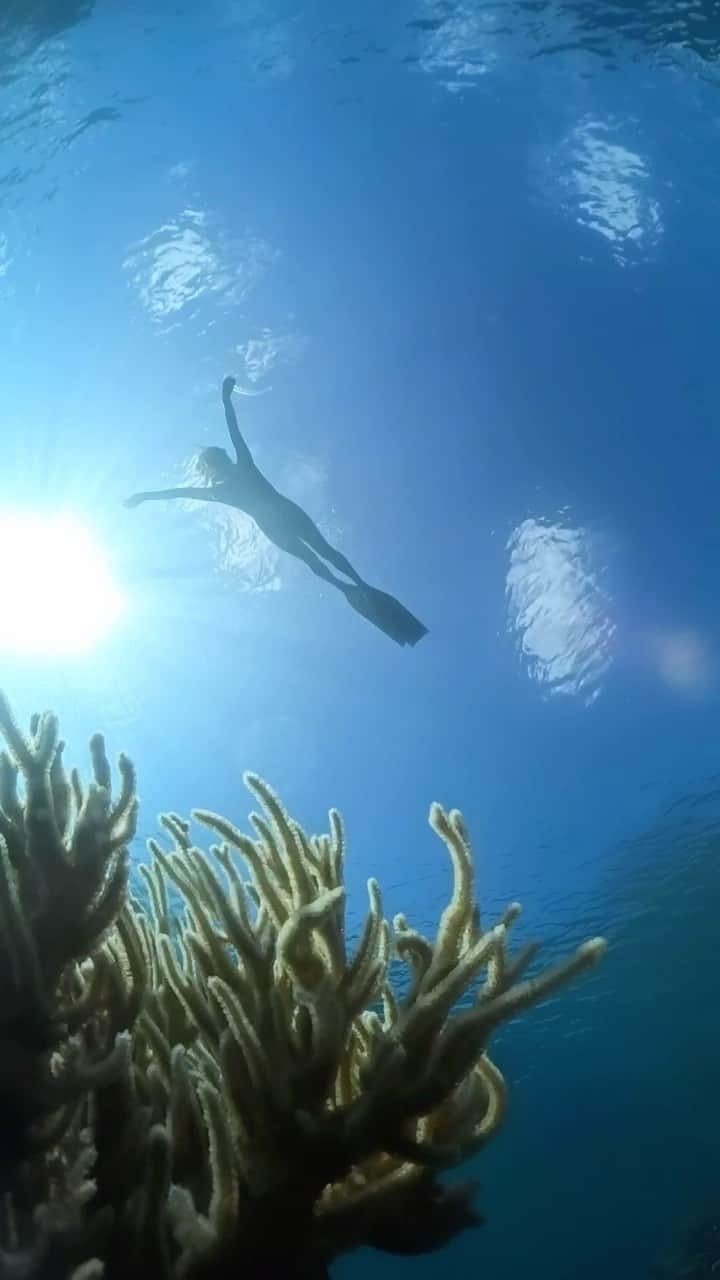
{"x":209,"y":1081}
{"x":696,"y":1254}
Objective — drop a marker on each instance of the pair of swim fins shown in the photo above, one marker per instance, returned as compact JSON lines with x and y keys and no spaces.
{"x":385,"y":612}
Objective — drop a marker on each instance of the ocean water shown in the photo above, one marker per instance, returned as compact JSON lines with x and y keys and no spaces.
{"x":462,"y":259}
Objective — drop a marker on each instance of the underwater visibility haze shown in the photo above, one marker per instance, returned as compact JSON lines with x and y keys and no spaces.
{"x":409,"y":307}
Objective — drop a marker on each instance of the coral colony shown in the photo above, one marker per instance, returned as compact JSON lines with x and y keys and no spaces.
{"x":208,"y":1083}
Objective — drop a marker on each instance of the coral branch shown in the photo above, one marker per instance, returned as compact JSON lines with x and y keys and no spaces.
{"x":223,"y":1086}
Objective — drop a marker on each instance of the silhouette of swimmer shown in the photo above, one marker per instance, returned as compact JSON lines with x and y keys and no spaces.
{"x":242,"y":485}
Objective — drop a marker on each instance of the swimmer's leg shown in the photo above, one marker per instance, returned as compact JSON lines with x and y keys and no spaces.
{"x":306,"y":529}
{"x":383,"y":610}
{"x":295,"y":547}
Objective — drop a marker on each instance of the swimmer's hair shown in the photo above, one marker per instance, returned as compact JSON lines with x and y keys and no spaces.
{"x":212,"y":461}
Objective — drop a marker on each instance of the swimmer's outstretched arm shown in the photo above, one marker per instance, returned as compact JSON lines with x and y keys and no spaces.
{"x":242,"y":453}
{"x":200,"y":495}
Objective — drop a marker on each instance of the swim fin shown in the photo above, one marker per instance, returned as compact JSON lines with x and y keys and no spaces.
{"x":385,"y":612}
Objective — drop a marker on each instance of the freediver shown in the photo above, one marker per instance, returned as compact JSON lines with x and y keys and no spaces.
{"x":242,"y":485}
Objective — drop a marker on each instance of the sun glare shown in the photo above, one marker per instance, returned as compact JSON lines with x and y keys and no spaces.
{"x":57,"y":596}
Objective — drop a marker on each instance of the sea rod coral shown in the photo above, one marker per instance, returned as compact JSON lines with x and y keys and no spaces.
{"x":205,"y":1079}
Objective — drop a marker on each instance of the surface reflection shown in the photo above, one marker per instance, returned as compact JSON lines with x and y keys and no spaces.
{"x":187,"y":260}
{"x":558,"y":611}
{"x":595,"y":178}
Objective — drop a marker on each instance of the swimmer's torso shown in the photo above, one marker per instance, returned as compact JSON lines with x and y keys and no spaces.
{"x":248,"y":490}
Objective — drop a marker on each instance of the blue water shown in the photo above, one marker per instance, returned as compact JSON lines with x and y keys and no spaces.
{"x":471,"y":294}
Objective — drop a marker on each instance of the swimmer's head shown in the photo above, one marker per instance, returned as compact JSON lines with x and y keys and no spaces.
{"x":214,"y":464}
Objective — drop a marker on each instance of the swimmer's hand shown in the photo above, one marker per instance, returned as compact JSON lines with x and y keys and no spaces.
{"x":135,"y":500}
{"x":228,"y":388}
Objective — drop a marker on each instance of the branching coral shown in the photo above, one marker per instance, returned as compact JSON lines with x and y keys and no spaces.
{"x":282,"y":1101}
{"x":63,"y":867}
{"x":313,"y":1108}
{"x":63,"y":871}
